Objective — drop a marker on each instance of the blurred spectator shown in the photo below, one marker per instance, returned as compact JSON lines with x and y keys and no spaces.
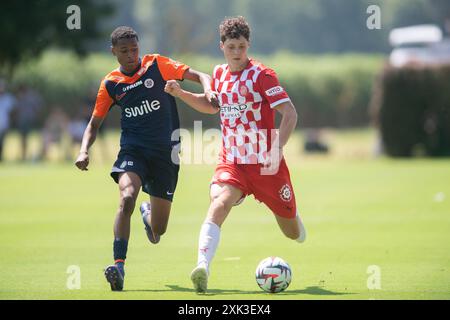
{"x":88,"y":107}
{"x":7,"y":103}
{"x":29,"y":104}
{"x":89,"y":103}
{"x":55,"y":128}
{"x":313,"y":143}
{"x":78,"y":124}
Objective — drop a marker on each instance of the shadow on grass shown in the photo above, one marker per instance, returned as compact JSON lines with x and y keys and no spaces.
{"x":318,"y":291}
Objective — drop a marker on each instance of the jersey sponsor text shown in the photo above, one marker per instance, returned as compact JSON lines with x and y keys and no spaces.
{"x":144,"y":108}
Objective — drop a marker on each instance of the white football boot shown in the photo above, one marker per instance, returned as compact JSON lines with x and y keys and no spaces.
{"x":199,"y":277}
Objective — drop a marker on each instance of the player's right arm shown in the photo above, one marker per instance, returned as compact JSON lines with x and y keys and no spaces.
{"x":89,"y":136}
{"x":196,"y":101}
{"x":102,"y":106}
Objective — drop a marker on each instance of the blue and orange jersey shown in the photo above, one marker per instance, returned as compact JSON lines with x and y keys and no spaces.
{"x":149,"y":115}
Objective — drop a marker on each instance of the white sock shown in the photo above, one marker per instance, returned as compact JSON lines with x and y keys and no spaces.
{"x":207,"y":242}
{"x":302,"y":229}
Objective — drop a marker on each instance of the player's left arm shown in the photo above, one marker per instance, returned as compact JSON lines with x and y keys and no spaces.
{"x":205,"y":80}
{"x":288,"y":122}
{"x":278,"y":100}
{"x":280,"y":139}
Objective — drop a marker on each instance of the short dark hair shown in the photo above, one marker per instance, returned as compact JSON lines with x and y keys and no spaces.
{"x":234,"y":28}
{"x":123,"y":32}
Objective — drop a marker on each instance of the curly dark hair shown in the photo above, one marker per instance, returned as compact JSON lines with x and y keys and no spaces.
{"x":123,"y":32}
{"x":233,"y":28}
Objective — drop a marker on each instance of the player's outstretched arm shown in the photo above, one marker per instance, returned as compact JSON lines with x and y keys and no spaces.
{"x":197,"y":101}
{"x":89,"y":136}
{"x":206,"y":81}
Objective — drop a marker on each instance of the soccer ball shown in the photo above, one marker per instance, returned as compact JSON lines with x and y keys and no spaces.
{"x":273,"y":274}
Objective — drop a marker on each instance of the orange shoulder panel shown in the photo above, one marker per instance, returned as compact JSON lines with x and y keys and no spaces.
{"x":148,"y":59}
{"x":170,"y":69}
{"x":115,"y":76}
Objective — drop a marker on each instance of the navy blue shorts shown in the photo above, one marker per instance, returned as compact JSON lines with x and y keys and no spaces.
{"x":158,"y":173}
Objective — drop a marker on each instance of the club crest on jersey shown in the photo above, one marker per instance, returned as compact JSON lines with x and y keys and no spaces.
{"x":149,"y":83}
{"x":243,"y":90}
{"x":285,"y":193}
{"x":274,"y":91}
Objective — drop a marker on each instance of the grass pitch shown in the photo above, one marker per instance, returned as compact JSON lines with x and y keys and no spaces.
{"x":359,"y":213}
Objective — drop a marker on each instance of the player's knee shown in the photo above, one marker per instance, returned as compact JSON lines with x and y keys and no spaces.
{"x":213,"y":196}
{"x":127,"y":204}
{"x":214,"y":191}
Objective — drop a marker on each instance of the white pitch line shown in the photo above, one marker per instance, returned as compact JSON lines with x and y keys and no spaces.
{"x":232,"y":259}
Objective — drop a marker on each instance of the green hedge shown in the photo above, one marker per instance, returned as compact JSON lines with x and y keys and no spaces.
{"x":326,"y":90}
{"x":62,"y":77}
{"x":412,"y":107}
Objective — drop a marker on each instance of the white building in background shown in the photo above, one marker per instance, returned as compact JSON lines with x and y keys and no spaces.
{"x":421,"y":44}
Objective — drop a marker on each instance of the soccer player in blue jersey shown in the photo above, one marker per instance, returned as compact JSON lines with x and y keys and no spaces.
{"x":149,"y":118}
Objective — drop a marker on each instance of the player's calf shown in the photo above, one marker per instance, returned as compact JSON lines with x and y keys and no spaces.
{"x":292,"y":228}
{"x":127,"y":204}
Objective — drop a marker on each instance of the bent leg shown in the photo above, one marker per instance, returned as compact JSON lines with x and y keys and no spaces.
{"x":129,"y":185}
{"x":289,"y":227}
{"x":159,"y":217}
{"x":292,"y":228}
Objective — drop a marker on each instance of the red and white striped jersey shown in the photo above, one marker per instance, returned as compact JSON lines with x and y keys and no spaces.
{"x":247,"y":99}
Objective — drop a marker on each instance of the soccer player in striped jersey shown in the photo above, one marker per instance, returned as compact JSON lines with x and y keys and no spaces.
{"x":149,"y":145}
{"x":251,"y":160}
